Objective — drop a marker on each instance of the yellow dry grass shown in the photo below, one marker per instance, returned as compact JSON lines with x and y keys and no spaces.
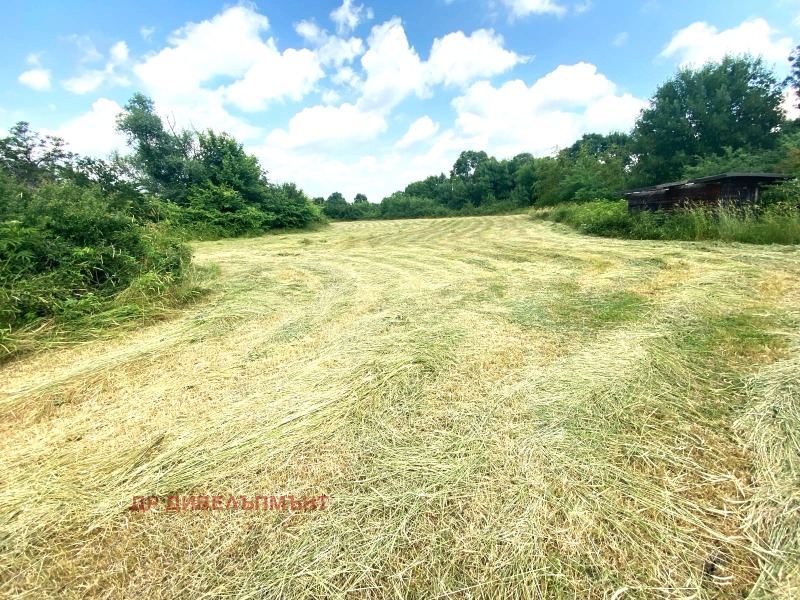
{"x":496,"y":407}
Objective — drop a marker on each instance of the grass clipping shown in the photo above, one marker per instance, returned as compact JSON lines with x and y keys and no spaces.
{"x":495,"y":408}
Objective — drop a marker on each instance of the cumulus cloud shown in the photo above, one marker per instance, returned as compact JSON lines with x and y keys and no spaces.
{"x":223,"y":46}
{"x":523,"y":8}
{"x":393,"y":68}
{"x":185,"y":76}
{"x":376,"y":174}
{"x":331,"y":50}
{"x":459,"y":59}
{"x":324,"y":124}
{"x":94,"y":132}
{"x":348,"y":16}
{"x":273,"y":76}
{"x":90,"y":79}
{"x":554,"y":111}
{"x":700,"y":42}
{"x":421,"y":129}
{"x":37,"y":79}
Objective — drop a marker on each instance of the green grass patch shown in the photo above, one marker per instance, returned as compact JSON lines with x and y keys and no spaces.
{"x":572,"y":309}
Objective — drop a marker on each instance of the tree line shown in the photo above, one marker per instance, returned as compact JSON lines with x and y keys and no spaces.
{"x":725,"y":116}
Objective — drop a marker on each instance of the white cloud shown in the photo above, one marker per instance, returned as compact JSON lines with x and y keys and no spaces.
{"x":205,"y":109}
{"x":275,"y":75}
{"x":700,"y":42}
{"x":311,"y":32}
{"x":224,"y":46}
{"x":421,"y":129}
{"x":458,"y":59}
{"x":324,"y":124}
{"x":119,"y":53}
{"x":523,"y":8}
{"x":583,"y":7}
{"x":330,"y":97}
{"x":346,"y":76}
{"x":554,"y":111}
{"x":228,"y":46}
{"x":37,"y":79}
{"x":87,"y":48}
{"x":347,"y":16}
{"x":621,"y":39}
{"x":331,"y":50}
{"x":90,"y":79}
{"x":393,"y":68}
{"x":147,"y":33}
{"x":94,"y":132}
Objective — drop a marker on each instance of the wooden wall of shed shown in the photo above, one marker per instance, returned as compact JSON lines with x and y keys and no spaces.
{"x":736,"y":191}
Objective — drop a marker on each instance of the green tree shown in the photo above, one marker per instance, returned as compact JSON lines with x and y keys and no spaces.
{"x":467,"y":162}
{"x":30,"y":158}
{"x":732,"y":103}
{"x":360,"y":199}
{"x":794,"y":73}
{"x":164,"y":157}
{"x":336,"y":206}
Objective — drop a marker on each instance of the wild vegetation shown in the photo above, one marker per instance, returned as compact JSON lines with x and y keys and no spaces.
{"x":774,"y":223}
{"x":495,"y":406}
{"x":86,"y":242}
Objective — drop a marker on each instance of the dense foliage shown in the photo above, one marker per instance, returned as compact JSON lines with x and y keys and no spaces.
{"x":217,"y":189}
{"x":72,"y":235}
{"x":774,"y":223}
{"x":78,"y":235}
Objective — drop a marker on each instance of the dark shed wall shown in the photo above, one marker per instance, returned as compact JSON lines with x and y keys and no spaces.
{"x":733,"y":189}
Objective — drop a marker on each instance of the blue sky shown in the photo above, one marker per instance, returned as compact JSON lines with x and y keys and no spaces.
{"x":367,"y":96}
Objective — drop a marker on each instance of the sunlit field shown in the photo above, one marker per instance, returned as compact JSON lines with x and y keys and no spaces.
{"x":494,"y":407}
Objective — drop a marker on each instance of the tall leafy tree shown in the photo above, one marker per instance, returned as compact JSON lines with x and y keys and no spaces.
{"x":467,"y":162}
{"x":29,"y":157}
{"x":733,"y":103}
{"x":163,"y":155}
{"x":794,"y":73}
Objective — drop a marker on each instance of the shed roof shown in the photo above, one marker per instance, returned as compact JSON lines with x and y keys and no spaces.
{"x":701,"y":181}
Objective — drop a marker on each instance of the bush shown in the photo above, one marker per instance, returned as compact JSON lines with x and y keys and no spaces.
{"x":776,"y":223}
{"x":65,"y":252}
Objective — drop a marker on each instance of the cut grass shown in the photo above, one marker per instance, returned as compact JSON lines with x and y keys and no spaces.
{"x":496,"y":409}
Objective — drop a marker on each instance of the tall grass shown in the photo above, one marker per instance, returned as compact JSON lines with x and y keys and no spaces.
{"x":773,"y":224}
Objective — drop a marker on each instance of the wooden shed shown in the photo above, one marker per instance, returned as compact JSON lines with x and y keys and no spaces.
{"x":736,"y":188}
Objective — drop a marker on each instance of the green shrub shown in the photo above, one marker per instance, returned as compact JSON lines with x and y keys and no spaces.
{"x":777,"y":223}
{"x":66,"y":252}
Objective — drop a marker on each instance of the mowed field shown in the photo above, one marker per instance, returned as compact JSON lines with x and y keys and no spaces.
{"x":495,"y":407}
